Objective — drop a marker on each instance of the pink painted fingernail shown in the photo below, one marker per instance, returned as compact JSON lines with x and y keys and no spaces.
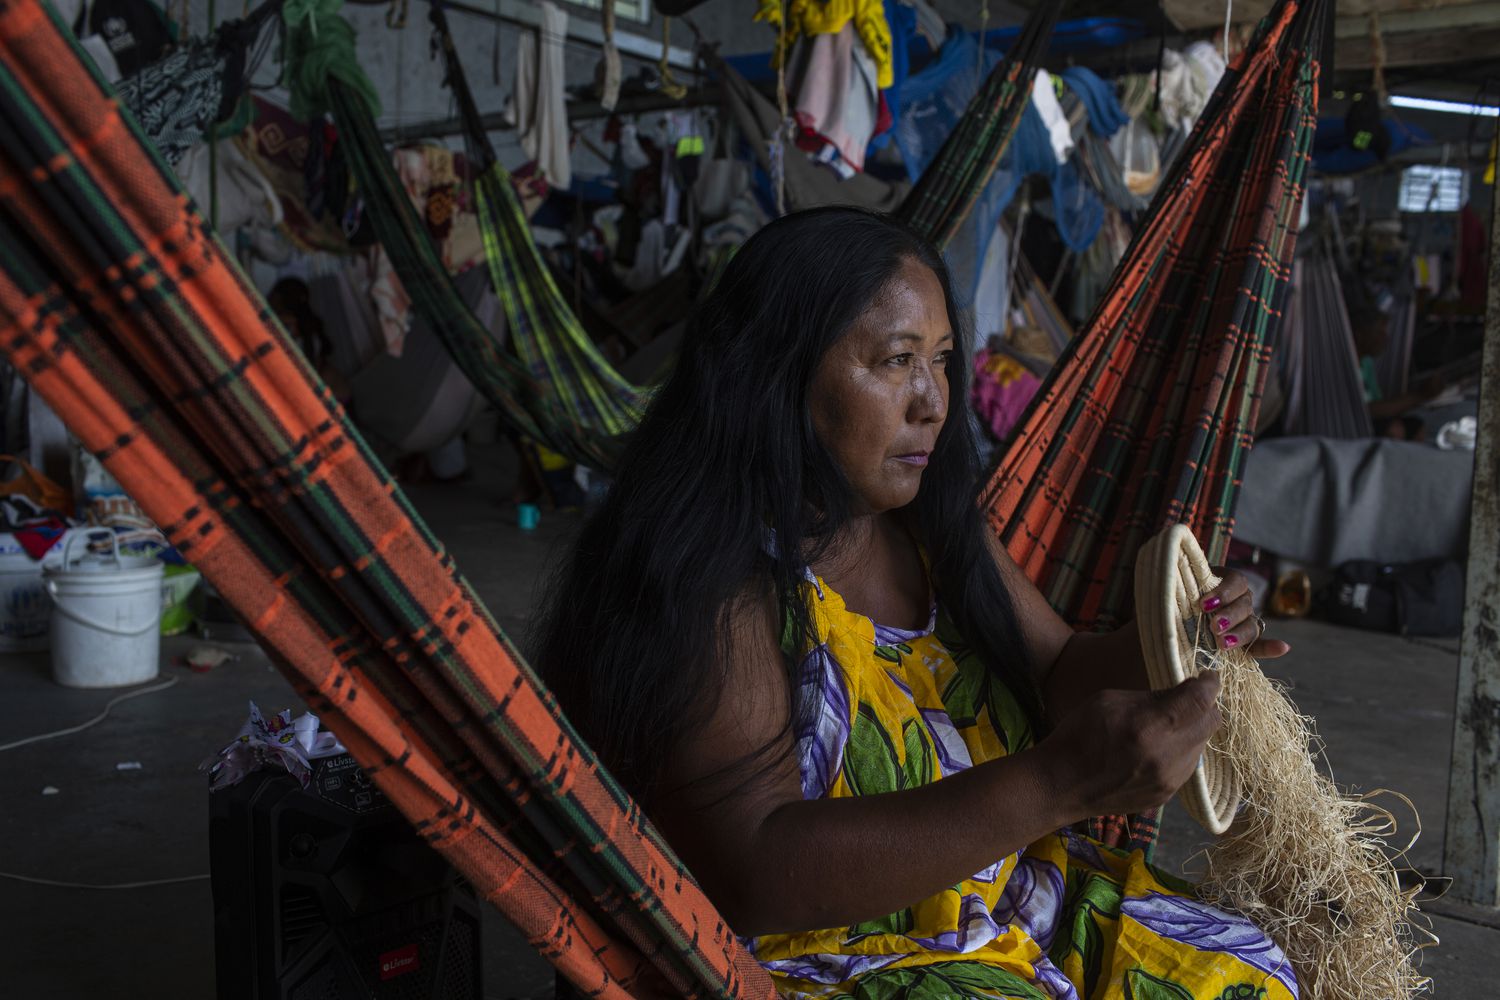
{"x":1223,"y":624}
{"x":1211,"y":603}
{"x":1230,"y":640}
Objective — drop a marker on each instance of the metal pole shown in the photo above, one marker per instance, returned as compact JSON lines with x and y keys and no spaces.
{"x":577,"y":111}
{"x":1471,"y":845}
{"x":524,"y":14}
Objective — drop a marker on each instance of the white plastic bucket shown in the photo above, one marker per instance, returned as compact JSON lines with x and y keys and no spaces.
{"x":24,"y":605}
{"x":105,"y":615}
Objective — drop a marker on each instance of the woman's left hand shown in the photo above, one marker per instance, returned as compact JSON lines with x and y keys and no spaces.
{"x":1234,"y":621}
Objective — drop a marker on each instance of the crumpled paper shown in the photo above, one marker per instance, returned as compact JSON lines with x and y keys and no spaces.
{"x":281,"y":741}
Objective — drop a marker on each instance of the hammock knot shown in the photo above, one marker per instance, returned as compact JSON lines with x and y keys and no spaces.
{"x":320,"y":48}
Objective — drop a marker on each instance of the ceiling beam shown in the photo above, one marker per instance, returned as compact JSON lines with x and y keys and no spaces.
{"x":1432,"y":48}
{"x":1400,"y":22}
{"x":1396,"y":16}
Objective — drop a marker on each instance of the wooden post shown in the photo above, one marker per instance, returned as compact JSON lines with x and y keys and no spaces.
{"x":1471,"y":845}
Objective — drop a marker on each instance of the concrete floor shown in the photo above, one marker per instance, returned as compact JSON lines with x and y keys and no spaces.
{"x":1384,"y":708}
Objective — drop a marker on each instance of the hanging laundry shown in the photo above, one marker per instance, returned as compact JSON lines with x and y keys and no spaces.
{"x":929,"y":23}
{"x":810,"y":18}
{"x":179,"y":97}
{"x":1044,"y":100}
{"x":903,"y":23}
{"x":687,"y":147}
{"x":133,"y":33}
{"x":1188,"y":79}
{"x":722,"y":177}
{"x":429,"y":175}
{"x":541,"y":108}
{"x":660,"y":252}
{"x":1096,"y":159}
{"x":992,"y":290}
{"x":279,"y":146}
{"x":1105,"y":115}
{"x":682,"y":141}
{"x":1206,"y":63}
{"x":1002,"y":390}
{"x":837,"y":100}
{"x":435,"y":180}
{"x":807,"y":184}
{"x":239,"y":198}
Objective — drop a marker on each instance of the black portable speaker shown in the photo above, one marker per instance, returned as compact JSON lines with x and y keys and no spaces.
{"x":328,"y":894}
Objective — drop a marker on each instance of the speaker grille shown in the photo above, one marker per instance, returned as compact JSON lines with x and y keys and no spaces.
{"x":324,"y":983}
{"x":458,"y":963}
{"x":302,"y":917}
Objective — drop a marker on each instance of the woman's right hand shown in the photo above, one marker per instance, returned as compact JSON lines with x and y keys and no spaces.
{"x":1129,"y":751}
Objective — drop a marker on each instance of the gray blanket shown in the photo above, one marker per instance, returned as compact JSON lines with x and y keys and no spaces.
{"x":1323,"y":502}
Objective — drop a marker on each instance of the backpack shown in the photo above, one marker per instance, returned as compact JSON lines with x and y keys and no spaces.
{"x":1418,"y":599}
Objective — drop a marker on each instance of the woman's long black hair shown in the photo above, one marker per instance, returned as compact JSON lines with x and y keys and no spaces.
{"x":632,"y":638}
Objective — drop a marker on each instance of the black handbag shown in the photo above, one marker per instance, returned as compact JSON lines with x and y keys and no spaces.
{"x":1423,"y":598}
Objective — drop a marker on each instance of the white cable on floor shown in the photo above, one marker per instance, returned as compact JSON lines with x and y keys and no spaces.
{"x":94,"y":721}
{"x":89,"y":885}
{"x":78,"y":729}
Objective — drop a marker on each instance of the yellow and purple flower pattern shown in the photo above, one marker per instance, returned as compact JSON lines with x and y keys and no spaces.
{"x":1065,"y":919}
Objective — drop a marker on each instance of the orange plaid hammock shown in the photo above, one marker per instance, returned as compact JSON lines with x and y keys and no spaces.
{"x":124,"y":312}
{"x":1145,"y":420}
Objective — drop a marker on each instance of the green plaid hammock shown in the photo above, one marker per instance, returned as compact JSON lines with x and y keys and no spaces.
{"x":548,"y":412}
{"x":537,"y":394}
{"x":1145,"y":420}
{"x":125,"y":313}
{"x":548,"y":335}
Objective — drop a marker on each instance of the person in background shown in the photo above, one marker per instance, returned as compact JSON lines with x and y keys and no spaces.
{"x":1392,"y":417}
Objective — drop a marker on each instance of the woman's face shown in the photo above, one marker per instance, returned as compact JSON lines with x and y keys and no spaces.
{"x":880,"y":394}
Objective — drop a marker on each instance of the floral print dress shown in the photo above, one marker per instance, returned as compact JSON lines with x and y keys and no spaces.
{"x":1067,"y":918}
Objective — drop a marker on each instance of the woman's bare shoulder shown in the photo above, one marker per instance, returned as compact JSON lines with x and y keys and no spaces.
{"x":740,"y":763}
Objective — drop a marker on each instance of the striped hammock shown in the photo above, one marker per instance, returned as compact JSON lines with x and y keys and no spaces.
{"x":549,"y":336}
{"x":556,"y":412}
{"x":1146,"y":418}
{"x":126,"y":314}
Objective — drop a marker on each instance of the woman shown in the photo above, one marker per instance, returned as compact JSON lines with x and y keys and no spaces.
{"x":789,"y":632}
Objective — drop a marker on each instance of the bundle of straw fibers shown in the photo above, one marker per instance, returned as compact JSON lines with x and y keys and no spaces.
{"x":1308,"y":864}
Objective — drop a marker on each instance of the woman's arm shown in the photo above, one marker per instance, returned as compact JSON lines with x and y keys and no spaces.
{"x":774,"y":862}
